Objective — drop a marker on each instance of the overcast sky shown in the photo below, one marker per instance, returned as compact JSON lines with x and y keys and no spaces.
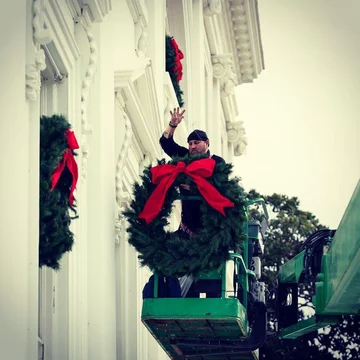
{"x":302,"y":113}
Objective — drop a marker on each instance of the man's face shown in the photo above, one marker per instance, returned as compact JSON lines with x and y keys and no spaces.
{"x":198,"y":146}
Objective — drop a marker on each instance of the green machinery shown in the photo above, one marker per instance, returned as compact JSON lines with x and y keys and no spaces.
{"x":234,"y":326}
{"x":214,"y":328}
{"x":334,"y":269}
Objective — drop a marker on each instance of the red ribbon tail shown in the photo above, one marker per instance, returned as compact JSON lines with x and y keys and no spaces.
{"x":69,"y":161}
{"x":156,"y":200}
{"x":212,"y":195}
{"x":71,"y":140}
{"x":57,"y":172}
{"x":72,"y":166}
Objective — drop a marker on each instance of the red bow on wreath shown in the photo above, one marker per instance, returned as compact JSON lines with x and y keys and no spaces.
{"x":69,"y":161}
{"x":178,"y":56}
{"x":165,"y":175}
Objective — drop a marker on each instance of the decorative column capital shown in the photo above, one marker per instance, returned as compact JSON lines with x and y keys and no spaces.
{"x":42,"y":34}
{"x":223,"y":70}
{"x":32,"y":71}
{"x":212,"y":7}
{"x":223,"y":65}
{"x":141,"y":36}
{"x":236,"y":135}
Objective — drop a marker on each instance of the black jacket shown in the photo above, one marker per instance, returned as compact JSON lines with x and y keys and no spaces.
{"x":190,"y":214}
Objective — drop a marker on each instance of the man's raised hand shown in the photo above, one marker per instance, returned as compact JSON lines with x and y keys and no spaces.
{"x":176,"y":116}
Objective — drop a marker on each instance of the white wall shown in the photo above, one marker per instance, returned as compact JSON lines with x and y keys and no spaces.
{"x":19,"y":132}
{"x":101,"y":194}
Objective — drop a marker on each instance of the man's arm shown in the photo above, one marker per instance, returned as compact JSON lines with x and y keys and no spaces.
{"x":169,"y":132}
{"x":175,"y":120}
{"x":167,"y":142}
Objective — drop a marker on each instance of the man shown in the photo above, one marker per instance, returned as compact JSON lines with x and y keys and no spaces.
{"x":198,"y":143}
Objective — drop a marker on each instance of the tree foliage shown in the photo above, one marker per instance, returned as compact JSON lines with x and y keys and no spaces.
{"x":289,"y":227}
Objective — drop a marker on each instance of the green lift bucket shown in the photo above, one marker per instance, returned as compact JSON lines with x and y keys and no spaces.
{"x":198,"y":328}
{"x":210,"y":328}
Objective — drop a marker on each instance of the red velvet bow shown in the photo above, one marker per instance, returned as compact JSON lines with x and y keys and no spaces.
{"x":165,"y":175}
{"x":178,"y":56}
{"x":69,"y":161}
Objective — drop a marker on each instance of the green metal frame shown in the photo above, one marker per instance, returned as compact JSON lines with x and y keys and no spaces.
{"x":340,"y":278}
{"x":292,"y":270}
{"x":337,"y":290}
{"x":306,"y":326}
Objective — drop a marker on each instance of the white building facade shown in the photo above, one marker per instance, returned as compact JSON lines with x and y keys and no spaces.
{"x":101,"y":63}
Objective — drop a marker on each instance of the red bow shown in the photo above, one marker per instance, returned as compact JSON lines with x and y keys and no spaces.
{"x":69,"y":161}
{"x":165,"y":175}
{"x":178,"y":56}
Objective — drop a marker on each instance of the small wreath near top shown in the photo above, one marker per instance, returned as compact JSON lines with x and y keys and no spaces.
{"x":168,"y":253}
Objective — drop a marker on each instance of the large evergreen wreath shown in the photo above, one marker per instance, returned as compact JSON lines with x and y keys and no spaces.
{"x":55,"y":237}
{"x":170,"y":254}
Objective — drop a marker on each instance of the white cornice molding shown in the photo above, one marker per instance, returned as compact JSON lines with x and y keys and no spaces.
{"x":236,"y":135}
{"x":122,"y":197}
{"x":212,"y":7}
{"x":139,"y":14}
{"x":90,"y":10}
{"x":75,"y":8}
{"x":98,"y":8}
{"x":138,"y":11}
{"x":236,"y":30}
{"x":245,"y":21}
{"x":64,"y":43}
{"x":124,"y":82}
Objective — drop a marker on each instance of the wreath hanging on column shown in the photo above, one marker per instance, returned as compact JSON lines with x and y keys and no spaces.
{"x":173,"y":66}
{"x":223,"y":224}
{"x":58,"y":177}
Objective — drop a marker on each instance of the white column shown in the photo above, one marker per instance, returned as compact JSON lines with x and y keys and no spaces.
{"x":156,"y":44}
{"x":101,"y":195}
{"x":77,"y":258}
{"x":214,"y":131}
{"x":197,"y":62}
{"x":19,"y":154}
{"x":179,"y":15}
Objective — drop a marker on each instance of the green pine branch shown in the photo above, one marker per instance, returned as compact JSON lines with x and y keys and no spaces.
{"x":55,"y":237}
{"x":170,"y":63}
{"x":168,"y":253}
